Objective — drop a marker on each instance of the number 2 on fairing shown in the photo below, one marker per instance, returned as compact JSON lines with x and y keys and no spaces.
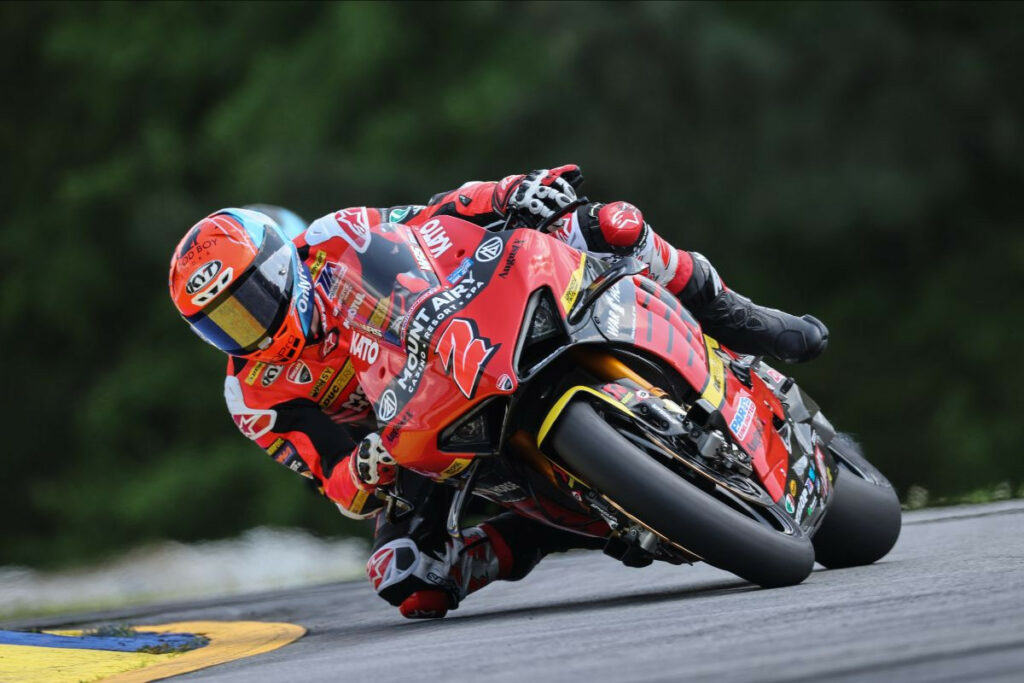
{"x":464,"y":353}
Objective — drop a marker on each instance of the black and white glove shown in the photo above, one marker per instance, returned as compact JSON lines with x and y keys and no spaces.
{"x":543,"y":193}
{"x":372,"y":464}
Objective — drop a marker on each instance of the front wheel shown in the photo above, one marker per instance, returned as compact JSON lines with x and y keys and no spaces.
{"x":722,"y":536}
{"x":864,"y":517}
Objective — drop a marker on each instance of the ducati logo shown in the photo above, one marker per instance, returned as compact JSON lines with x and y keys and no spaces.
{"x":387,"y":406}
{"x":298,"y":373}
{"x":489,"y":250}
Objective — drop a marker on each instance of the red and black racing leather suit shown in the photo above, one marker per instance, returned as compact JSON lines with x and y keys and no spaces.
{"x":309,"y":415}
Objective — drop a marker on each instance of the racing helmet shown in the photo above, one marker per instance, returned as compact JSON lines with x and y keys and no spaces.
{"x":238,"y":281}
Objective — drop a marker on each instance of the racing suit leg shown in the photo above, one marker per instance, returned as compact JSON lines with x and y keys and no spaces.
{"x":418,"y":568}
{"x":618,"y":229}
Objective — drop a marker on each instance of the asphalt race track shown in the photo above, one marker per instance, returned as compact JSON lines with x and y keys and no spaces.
{"x":946,"y":605}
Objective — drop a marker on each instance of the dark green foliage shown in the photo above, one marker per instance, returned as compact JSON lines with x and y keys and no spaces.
{"x":859,"y":161}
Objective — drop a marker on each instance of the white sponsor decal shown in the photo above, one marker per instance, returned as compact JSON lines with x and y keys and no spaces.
{"x":387,"y":406}
{"x":365,"y":348}
{"x":435,"y":237}
{"x":489,"y":250}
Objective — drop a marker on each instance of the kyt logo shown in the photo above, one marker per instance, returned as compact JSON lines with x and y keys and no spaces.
{"x":464,"y":354}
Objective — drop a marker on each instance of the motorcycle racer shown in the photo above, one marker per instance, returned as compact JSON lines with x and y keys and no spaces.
{"x":280,"y":304}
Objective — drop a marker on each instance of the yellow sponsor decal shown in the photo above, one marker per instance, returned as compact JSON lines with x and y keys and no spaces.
{"x":254,"y":374}
{"x":318,"y":264}
{"x":274,"y":447}
{"x":714,"y":390}
{"x":339,"y":384}
{"x":458,"y":464}
{"x":377,"y":317}
{"x":572,"y":291}
{"x":321,"y":382}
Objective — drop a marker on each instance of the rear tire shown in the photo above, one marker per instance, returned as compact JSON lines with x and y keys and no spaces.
{"x":593,"y":450}
{"x":863,"y":519}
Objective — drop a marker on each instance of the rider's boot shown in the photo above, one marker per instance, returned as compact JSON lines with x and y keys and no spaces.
{"x":743,"y":326}
{"x":426,"y":585}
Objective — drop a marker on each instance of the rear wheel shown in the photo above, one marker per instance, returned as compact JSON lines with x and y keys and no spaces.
{"x":673,"y":507}
{"x":864,"y":517}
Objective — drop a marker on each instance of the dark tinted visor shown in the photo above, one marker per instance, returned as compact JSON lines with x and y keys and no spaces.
{"x":255,"y":305}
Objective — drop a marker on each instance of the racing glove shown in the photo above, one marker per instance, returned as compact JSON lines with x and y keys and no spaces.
{"x":371,"y":463}
{"x":542,"y":193}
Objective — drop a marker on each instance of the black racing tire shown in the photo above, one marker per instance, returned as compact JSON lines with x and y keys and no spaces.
{"x":863,"y":519}
{"x":723,"y":537}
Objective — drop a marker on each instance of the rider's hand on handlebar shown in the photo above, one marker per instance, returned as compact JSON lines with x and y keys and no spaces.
{"x":371,"y":463}
{"x":543,"y":193}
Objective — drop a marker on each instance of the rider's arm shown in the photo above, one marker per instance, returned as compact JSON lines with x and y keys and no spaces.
{"x":487,"y":203}
{"x":304,"y":439}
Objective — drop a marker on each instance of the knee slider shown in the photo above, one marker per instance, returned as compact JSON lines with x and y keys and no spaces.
{"x":392,"y":570}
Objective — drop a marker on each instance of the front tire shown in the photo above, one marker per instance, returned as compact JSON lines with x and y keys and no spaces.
{"x":864,"y":517}
{"x":723,"y":537}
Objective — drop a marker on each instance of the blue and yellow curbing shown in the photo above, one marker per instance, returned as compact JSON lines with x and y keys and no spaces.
{"x":59,"y":656}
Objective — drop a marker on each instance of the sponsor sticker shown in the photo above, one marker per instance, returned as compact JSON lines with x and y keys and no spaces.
{"x":572,"y":290}
{"x":272,"y":373}
{"x":505,"y":383}
{"x":457,"y":465}
{"x":365,"y":348}
{"x":435,"y":237}
{"x":489,"y":250}
{"x":339,"y":384}
{"x":298,"y":373}
{"x":387,"y":406}
{"x":254,"y":373}
{"x":318,"y":264}
{"x":321,"y":382}
{"x":356,"y":401}
{"x":743,"y":418}
{"x":460,"y":272}
{"x":202,"y":276}
{"x":790,"y":507}
{"x":380,"y":311}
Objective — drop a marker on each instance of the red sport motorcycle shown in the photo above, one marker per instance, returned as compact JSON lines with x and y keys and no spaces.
{"x":582,"y":394}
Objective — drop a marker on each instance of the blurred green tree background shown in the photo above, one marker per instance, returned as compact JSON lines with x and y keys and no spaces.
{"x":859,"y":161}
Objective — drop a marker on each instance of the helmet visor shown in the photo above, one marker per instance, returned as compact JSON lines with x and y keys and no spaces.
{"x":246,"y":316}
